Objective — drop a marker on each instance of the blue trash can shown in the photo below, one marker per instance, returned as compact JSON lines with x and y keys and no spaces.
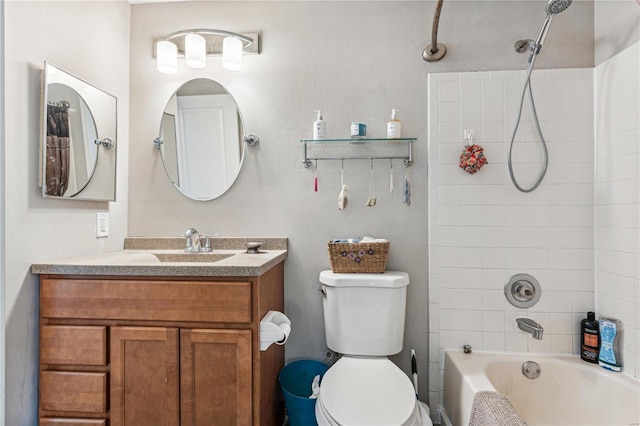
{"x":295,"y":379}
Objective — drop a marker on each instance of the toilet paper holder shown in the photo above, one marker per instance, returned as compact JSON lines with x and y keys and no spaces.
{"x":275,"y":327}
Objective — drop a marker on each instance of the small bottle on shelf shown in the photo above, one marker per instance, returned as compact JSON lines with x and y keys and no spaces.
{"x":319,"y":127}
{"x":394,"y":126}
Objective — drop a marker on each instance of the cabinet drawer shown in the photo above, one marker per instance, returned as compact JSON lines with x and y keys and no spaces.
{"x":73,"y":345}
{"x":51,"y":421}
{"x":79,"y":392}
{"x":220,"y":301}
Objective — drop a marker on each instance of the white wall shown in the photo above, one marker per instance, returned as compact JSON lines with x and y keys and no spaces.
{"x":617,"y":197}
{"x":90,"y":40}
{"x":615,"y":27}
{"x":2,"y":225}
{"x":480,"y":35}
{"x":482,"y":230}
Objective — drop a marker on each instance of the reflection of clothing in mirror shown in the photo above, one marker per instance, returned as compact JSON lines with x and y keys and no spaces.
{"x":57,"y":166}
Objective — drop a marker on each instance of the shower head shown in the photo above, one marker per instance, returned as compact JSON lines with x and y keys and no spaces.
{"x":553,"y":8}
{"x":557,"y":6}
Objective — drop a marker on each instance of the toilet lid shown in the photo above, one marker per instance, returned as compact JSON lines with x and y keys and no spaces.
{"x":367,"y":391}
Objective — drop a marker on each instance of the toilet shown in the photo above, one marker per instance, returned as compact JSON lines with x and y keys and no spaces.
{"x":364,"y":316}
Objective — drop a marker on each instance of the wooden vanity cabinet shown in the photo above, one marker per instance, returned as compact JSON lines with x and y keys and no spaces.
{"x":136,"y":351}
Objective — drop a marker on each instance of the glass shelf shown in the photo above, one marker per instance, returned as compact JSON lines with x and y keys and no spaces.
{"x":408,"y":159}
{"x":358,"y":140}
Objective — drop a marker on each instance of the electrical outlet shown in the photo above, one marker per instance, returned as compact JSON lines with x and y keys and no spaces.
{"x":330,"y":356}
{"x":102,"y":224}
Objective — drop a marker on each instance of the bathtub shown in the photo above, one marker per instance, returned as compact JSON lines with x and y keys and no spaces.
{"x":568,"y":391}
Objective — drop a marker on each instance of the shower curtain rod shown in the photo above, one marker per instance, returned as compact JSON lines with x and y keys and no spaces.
{"x":435,"y":51}
{"x":63,"y":104}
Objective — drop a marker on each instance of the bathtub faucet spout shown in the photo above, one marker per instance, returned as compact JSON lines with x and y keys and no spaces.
{"x":530,"y":326}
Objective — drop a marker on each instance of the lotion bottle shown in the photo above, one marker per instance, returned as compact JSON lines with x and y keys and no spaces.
{"x":319,"y":126}
{"x":589,"y":338}
{"x":609,"y":355}
{"x":394,"y":126}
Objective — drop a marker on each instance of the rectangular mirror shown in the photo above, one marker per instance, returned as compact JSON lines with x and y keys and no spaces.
{"x":78,"y":138}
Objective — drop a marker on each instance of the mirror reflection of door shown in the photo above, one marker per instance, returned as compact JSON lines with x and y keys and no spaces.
{"x":208,"y":154}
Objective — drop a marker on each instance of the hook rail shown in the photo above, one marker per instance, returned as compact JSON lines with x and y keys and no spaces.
{"x":408,"y":159}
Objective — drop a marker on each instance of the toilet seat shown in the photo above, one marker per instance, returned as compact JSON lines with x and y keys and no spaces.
{"x":367,"y":391}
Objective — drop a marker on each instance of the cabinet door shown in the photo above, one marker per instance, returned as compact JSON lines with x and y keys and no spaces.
{"x":215,"y":377}
{"x":144,"y":376}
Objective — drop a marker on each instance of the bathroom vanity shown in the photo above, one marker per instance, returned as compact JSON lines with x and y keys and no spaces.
{"x":129,"y":339}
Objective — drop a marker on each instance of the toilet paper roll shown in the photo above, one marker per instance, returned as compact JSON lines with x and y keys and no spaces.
{"x":275,"y":327}
{"x":286,"y":330}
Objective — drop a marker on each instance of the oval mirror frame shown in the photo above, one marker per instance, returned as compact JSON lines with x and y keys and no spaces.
{"x":201,"y":139}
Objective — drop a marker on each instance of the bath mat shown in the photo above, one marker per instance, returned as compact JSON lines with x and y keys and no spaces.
{"x":493,"y":409}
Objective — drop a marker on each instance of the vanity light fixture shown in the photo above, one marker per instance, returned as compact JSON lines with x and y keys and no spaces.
{"x":196,"y":45}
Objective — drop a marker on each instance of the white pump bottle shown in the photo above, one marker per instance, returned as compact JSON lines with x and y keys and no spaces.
{"x":319,"y":127}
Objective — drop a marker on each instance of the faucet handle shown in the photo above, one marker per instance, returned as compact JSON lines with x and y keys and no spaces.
{"x":205,"y":244}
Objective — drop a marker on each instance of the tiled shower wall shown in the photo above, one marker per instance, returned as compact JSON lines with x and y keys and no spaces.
{"x":617,"y":196}
{"x":482,"y":230}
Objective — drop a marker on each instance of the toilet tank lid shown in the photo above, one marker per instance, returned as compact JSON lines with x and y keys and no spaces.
{"x":386,"y":279}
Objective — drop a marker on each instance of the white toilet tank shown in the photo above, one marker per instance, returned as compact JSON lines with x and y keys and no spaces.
{"x":364,"y":313}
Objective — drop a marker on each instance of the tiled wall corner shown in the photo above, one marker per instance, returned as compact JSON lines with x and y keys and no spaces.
{"x":617,"y":198}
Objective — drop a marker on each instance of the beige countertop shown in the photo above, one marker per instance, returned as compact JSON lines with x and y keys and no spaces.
{"x":166,"y":257}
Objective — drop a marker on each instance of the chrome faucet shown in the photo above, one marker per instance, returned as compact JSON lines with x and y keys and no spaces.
{"x":530,"y":326}
{"x":193,"y":240}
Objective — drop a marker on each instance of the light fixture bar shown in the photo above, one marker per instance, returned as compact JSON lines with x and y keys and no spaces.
{"x":206,"y":32}
{"x":214,"y":40}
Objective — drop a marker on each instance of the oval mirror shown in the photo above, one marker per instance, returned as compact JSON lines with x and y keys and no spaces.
{"x":71,"y":130}
{"x":200,"y":139}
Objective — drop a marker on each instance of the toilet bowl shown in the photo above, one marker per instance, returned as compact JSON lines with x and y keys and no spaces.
{"x":364,"y":317}
{"x":368,"y":391}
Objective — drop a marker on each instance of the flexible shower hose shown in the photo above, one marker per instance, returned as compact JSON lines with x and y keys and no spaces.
{"x":527,"y":86}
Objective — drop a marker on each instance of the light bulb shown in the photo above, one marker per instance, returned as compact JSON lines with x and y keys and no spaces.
{"x":166,"y":57}
{"x":195,"y":47}
{"x":232,"y":53}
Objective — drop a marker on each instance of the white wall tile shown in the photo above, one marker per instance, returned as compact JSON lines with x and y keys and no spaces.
{"x":448,"y":91}
{"x":448,"y":112}
{"x":493,"y":341}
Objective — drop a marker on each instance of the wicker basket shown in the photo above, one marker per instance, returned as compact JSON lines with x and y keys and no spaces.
{"x":358,"y":257}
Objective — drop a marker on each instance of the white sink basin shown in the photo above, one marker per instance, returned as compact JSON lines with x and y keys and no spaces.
{"x":209,"y":257}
